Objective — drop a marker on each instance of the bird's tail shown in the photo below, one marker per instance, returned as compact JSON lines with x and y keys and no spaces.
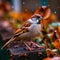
{"x":12,"y":39}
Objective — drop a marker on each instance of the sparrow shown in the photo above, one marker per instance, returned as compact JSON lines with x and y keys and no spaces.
{"x":28,"y":30}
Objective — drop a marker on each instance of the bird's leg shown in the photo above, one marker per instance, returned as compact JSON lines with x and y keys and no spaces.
{"x":36,"y":44}
{"x":28,"y":47}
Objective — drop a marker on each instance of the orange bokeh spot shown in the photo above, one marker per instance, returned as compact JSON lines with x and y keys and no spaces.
{"x":57,"y":44}
{"x":47,"y":58}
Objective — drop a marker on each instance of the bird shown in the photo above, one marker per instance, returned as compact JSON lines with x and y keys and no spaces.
{"x":28,"y":30}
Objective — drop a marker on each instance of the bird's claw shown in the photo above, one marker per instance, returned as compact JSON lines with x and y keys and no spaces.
{"x":31,"y":46}
{"x":28,"y":48}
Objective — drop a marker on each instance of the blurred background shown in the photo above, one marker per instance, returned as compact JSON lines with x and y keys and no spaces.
{"x":32,"y":5}
{"x":14,"y":12}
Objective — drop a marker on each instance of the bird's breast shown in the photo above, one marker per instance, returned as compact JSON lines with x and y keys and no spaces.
{"x":34,"y":29}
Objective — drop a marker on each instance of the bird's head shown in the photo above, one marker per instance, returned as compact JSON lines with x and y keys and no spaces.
{"x":35,"y":19}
